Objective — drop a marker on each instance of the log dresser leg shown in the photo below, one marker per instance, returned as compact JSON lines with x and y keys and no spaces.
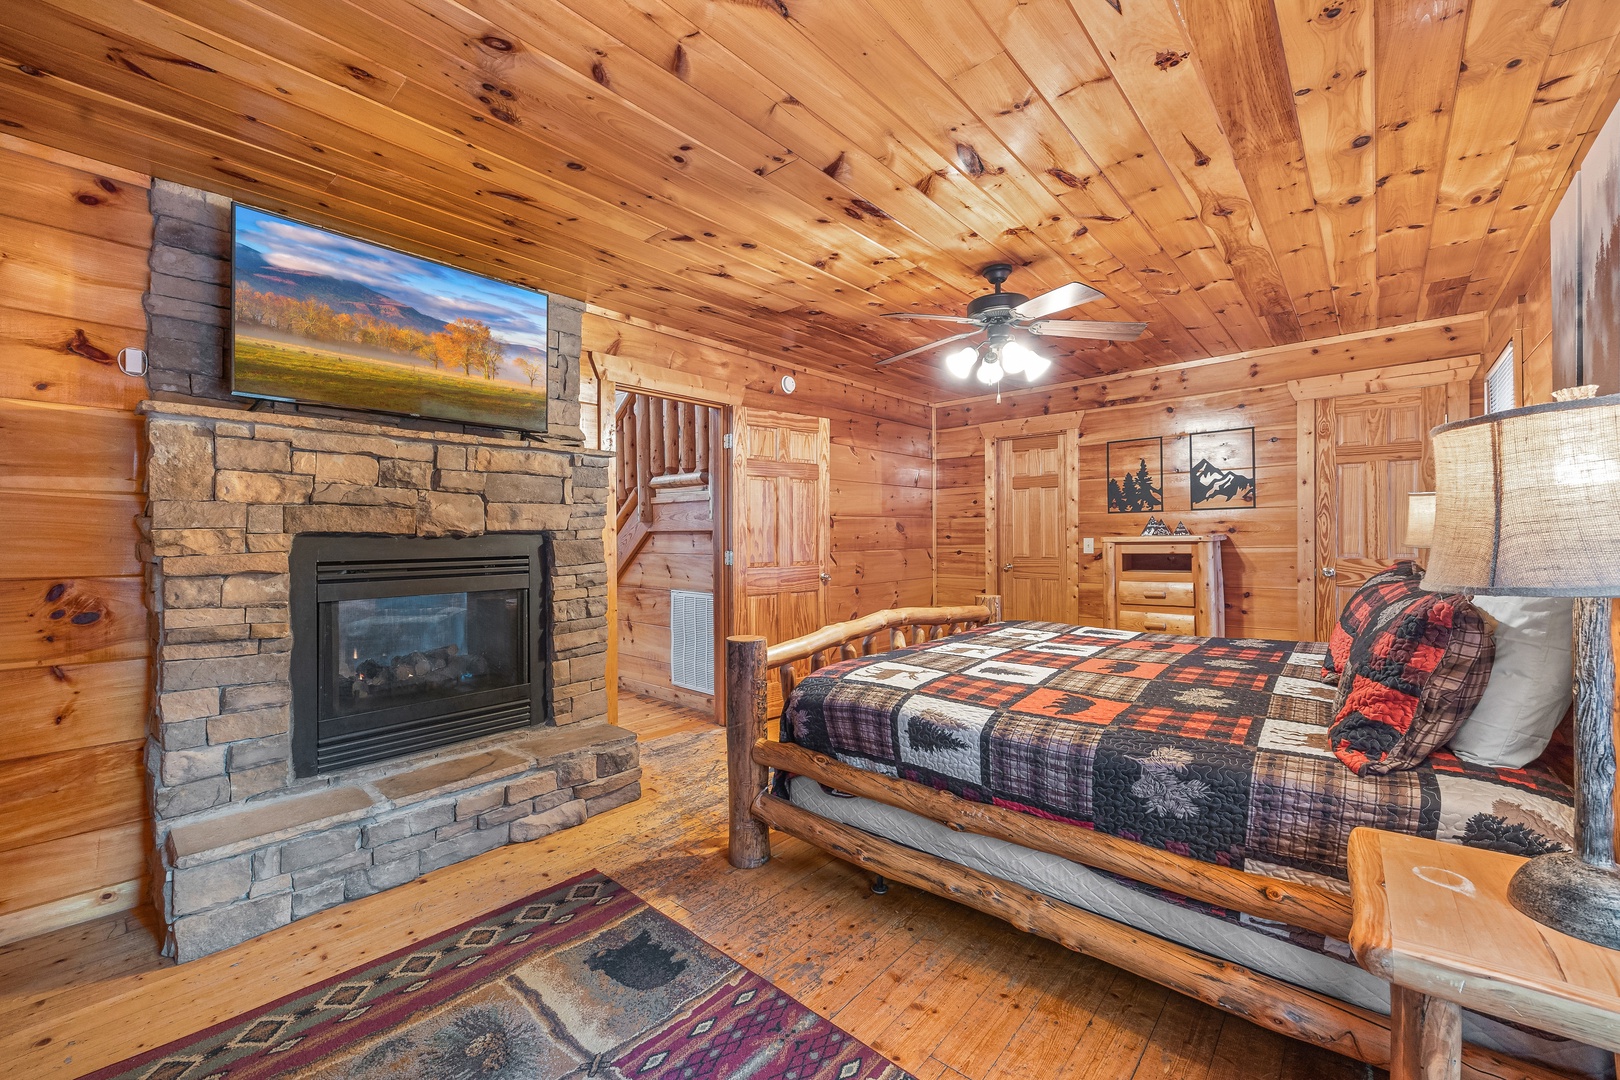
{"x":745,"y":724}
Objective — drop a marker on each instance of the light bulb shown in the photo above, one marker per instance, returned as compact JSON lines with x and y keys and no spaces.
{"x":1014,"y":357}
{"x":1036,"y":366}
{"x":960,"y":363}
{"x":990,"y":372}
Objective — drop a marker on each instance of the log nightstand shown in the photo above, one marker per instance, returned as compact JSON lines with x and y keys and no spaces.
{"x":1433,"y":918}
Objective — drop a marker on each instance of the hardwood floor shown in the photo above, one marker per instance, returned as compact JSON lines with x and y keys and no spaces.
{"x":946,"y":992}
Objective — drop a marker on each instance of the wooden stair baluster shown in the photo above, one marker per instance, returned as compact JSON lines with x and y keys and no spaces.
{"x":671,"y":456}
{"x":700,"y":463}
{"x":645,"y":445}
{"x":688,"y":443}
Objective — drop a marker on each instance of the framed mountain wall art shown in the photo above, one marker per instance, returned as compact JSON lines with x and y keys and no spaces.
{"x":1220,"y":469}
{"x":1136,"y":476}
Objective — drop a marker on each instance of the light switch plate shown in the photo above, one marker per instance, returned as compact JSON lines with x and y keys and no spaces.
{"x":1089,"y":545}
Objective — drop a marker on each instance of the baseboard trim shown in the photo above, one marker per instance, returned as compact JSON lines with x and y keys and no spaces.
{"x":673,"y":694}
{"x":69,"y":911}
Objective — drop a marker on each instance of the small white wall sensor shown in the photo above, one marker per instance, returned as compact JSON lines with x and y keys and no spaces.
{"x":789,"y":384}
{"x":132,"y":362}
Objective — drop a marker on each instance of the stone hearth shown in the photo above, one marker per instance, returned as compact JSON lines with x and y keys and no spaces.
{"x":242,"y":845}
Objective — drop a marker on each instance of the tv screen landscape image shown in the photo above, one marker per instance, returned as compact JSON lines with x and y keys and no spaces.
{"x":327,"y":319}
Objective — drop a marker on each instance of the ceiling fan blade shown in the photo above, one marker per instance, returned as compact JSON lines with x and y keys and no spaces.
{"x":1059,"y":299}
{"x":1085,"y":328}
{"x":925,"y":348}
{"x":932,"y":318}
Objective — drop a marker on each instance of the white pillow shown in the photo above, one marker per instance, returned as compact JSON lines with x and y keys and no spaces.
{"x":1531,"y":681}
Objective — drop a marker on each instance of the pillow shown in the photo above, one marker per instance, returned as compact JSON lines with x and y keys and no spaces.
{"x":1399,"y":582}
{"x":1412,"y":677}
{"x":1531,"y":685}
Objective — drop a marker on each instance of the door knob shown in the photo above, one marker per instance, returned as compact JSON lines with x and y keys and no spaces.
{"x":1006,"y":566}
{"x":826,"y":578}
{"x":1328,"y":571}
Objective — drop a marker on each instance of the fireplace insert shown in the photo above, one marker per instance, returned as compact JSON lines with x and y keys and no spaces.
{"x":402,"y":644}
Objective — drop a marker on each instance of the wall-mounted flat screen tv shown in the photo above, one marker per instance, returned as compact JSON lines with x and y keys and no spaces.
{"x":330,"y":320}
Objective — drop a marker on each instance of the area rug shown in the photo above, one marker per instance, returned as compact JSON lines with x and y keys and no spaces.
{"x":583,"y":980}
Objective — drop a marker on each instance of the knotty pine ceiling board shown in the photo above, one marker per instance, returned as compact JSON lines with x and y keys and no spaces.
{"x":774,"y":174}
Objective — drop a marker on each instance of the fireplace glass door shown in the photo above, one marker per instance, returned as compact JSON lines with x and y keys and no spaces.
{"x":414,"y":651}
{"x":395,"y":650}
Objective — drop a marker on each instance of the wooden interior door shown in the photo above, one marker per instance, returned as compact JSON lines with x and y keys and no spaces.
{"x":1031,"y":528}
{"x":1371,"y":451}
{"x":780,"y":541}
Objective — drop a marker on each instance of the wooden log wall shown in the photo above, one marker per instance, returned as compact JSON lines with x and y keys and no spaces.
{"x":74,"y":654}
{"x":1260,"y":561}
{"x":881,"y":467}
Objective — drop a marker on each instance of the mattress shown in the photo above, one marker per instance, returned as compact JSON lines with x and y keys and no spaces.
{"x":1211,"y":748}
{"x":1258,"y":944}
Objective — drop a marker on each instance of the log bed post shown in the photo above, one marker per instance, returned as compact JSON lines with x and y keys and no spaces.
{"x":745,"y":724}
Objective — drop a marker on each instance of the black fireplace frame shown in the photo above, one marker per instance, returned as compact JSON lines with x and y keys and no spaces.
{"x":327,"y":568}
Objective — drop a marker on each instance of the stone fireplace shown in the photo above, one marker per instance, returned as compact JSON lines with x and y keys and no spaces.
{"x":285,"y":776}
{"x":248,"y":838}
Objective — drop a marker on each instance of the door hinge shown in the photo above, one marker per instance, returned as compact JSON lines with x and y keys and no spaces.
{"x":729,"y":558}
{"x":728,"y":440}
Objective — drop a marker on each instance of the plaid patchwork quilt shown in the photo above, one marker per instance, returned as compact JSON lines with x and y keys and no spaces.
{"x":1212,"y":748}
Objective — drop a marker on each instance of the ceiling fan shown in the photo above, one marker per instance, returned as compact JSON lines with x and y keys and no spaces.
{"x":997,"y":315}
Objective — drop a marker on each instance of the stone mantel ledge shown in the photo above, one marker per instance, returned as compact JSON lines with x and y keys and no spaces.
{"x":375,"y":798}
{"x":242,"y":871}
{"x":155,"y":409}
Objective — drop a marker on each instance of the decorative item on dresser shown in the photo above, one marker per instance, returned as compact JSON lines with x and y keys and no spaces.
{"x":1434,"y":920}
{"x":1165,"y":584}
{"x":1527,"y":503}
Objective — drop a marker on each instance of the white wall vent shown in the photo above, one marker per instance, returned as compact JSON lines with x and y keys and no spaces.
{"x":691,"y":640}
{"x":1500,"y":393}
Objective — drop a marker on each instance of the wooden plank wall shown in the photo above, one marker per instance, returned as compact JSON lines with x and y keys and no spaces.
{"x":1247,"y":390}
{"x":678,"y":554}
{"x":881,"y":468}
{"x":74,"y":654}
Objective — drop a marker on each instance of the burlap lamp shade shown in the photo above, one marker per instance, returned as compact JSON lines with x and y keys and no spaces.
{"x":1419,"y":530}
{"x":1527,"y":503}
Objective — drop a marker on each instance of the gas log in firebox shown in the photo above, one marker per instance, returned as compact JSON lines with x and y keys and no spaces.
{"x":403,"y":644}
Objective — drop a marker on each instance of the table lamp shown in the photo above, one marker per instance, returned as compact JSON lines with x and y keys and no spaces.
{"x":1527,"y":503}
{"x":1419,"y":520}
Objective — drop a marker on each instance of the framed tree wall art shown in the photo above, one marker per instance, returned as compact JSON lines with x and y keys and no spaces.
{"x":1135,"y":476}
{"x":1220,"y":469}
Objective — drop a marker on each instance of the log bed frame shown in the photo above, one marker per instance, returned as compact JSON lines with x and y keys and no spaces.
{"x":754,"y":811}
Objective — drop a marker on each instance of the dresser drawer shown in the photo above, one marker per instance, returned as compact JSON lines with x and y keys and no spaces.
{"x":1156,"y":622}
{"x":1157,"y":594}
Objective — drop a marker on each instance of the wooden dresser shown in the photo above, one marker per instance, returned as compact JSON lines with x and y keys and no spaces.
{"x":1165,"y":584}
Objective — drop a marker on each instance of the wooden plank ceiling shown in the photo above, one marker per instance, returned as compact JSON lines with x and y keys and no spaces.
{"x":775,"y":173}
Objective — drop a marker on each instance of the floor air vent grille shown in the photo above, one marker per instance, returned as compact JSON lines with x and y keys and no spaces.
{"x":691,"y":640}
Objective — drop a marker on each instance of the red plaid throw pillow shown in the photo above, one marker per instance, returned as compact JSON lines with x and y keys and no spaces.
{"x":1412,"y":677}
{"x":1399,"y":582}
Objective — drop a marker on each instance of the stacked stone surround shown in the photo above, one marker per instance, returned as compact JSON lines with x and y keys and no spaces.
{"x":242,"y":846}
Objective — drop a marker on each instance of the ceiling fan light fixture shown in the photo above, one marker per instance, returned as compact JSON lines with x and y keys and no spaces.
{"x":990,"y":371}
{"x":960,"y":363}
{"x":1015,"y":358}
{"x":1036,"y":366}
